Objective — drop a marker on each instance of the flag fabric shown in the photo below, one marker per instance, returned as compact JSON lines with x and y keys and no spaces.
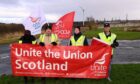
{"x":35,"y":21}
{"x":63,"y":27}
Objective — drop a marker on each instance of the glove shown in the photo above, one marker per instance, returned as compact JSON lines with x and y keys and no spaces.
{"x":54,"y":43}
{"x":113,"y":45}
{"x":41,"y":44}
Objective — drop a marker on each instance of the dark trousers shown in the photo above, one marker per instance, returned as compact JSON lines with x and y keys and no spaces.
{"x":26,"y":81}
{"x":43,"y":80}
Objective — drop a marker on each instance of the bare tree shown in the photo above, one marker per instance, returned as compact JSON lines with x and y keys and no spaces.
{"x":91,"y":23}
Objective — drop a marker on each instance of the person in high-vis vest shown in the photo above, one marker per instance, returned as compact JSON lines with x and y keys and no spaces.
{"x":48,"y":38}
{"x":43,"y":31}
{"x":28,"y":39}
{"x":110,"y":38}
{"x":78,"y":39}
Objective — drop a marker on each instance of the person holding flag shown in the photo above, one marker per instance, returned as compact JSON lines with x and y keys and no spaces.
{"x":78,"y":39}
{"x":110,"y":38}
{"x":43,"y":31}
{"x":48,"y":38}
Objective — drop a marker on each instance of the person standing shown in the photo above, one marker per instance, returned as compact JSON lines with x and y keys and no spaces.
{"x":48,"y":38}
{"x":78,"y":39}
{"x":43,"y":31}
{"x":27,"y":38}
{"x":110,"y":38}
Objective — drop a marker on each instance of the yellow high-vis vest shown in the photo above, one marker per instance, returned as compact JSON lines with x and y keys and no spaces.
{"x":108,"y":40}
{"x":54,"y":38}
{"x":79,"y":42}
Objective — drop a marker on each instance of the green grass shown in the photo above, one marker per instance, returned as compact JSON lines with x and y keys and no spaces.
{"x":121,"y":35}
{"x":121,"y":74}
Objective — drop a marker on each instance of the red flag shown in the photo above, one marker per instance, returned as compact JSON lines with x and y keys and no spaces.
{"x":63,"y":27}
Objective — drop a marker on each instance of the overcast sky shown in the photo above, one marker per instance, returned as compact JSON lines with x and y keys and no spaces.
{"x":54,"y":9}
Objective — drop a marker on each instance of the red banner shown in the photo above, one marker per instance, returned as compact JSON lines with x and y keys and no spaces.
{"x":61,"y":61}
{"x":63,"y":27}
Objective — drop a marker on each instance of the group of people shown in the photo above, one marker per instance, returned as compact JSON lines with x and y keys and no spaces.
{"x":49,"y":38}
{"x":78,"y":39}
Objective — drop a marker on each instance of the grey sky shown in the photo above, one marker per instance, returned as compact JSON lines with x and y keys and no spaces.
{"x":99,"y":9}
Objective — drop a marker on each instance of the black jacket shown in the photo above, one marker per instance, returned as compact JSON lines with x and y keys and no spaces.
{"x":27,"y":39}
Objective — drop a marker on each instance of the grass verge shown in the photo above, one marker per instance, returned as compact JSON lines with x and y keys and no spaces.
{"x":10,"y":37}
{"x":121,"y":35}
{"x":121,"y":74}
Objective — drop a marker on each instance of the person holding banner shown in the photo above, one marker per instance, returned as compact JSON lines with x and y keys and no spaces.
{"x":28,"y":39}
{"x":48,"y":38}
{"x":78,"y":39}
{"x":43,"y":31}
{"x":110,"y":38}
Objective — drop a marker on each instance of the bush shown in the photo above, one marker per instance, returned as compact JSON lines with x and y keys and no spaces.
{"x":10,"y":28}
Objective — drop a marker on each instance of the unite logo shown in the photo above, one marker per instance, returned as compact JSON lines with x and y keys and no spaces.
{"x":60,"y":28}
{"x":102,"y":60}
{"x":99,"y":64}
{"x":60,"y":25}
{"x":36,"y":22}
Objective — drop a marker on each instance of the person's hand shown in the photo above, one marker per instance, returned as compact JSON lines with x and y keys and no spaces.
{"x":54,"y":43}
{"x":41,"y":44}
{"x":113,"y":46}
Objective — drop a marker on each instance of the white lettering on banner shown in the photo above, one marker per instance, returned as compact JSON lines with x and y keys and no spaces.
{"x":51,"y":54}
{"x":30,"y":52}
{"x":77,"y":55}
{"x":98,"y":68}
{"x":41,"y":65}
{"x":62,"y":32}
